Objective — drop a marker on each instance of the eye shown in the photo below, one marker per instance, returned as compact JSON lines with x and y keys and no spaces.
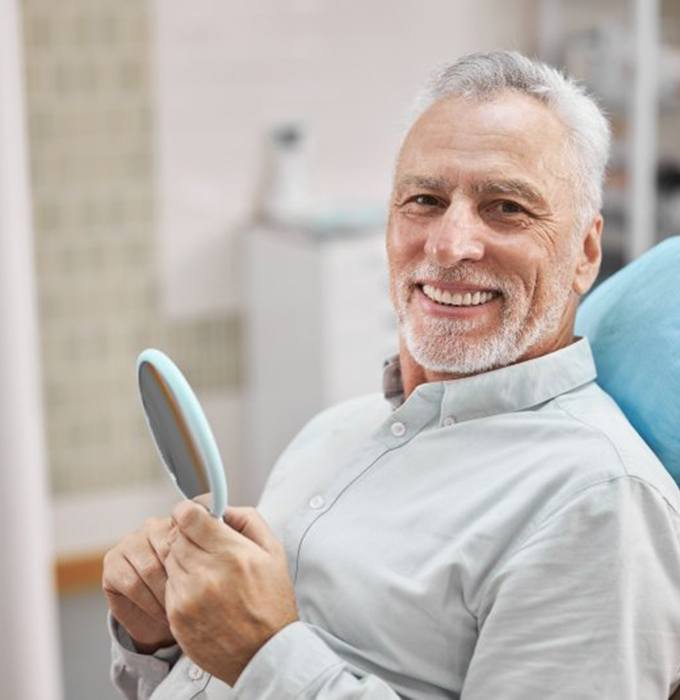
{"x":507,"y":206}
{"x":422,"y":203}
{"x":425,"y":200}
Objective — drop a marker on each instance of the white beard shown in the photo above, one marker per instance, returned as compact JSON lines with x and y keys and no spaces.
{"x":445,"y":345}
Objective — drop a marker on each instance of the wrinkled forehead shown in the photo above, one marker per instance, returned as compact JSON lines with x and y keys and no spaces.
{"x":510,"y":134}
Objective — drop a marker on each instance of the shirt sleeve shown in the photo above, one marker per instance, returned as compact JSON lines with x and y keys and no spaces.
{"x":588,"y":606}
{"x":137,"y":675}
{"x":297,"y":664}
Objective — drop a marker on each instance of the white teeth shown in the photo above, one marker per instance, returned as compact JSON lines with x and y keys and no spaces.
{"x":454,"y":299}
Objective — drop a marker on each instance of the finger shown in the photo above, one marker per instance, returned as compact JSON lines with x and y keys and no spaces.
{"x":157,"y":531}
{"x":252,"y":525}
{"x":206,"y":531}
{"x":121,"y":579}
{"x":164,"y":546}
{"x":150,"y":571}
{"x":149,"y":568}
{"x":205,"y":499}
{"x":131,"y":616}
{"x":188,"y":554}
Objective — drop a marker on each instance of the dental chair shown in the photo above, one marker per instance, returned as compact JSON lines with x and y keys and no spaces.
{"x":632,"y":321}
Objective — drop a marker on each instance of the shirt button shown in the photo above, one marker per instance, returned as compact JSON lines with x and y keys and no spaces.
{"x":195,"y":672}
{"x":449,"y":420}
{"x":317,"y":502}
{"x":397,"y":429}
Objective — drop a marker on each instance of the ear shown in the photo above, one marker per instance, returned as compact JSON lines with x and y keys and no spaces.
{"x":589,"y":257}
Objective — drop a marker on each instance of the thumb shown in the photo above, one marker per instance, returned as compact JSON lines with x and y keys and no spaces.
{"x":196,"y":523}
{"x":252,"y":525}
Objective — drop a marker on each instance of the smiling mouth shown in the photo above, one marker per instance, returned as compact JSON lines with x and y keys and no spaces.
{"x":448,"y":298}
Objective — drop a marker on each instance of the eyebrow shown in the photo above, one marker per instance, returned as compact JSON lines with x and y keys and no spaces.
{"x":520,"y":188}
{"x":428,"y":183}
{"x":517,"y":187}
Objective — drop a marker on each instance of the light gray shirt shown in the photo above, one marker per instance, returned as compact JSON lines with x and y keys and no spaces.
{"x":507,"y":535}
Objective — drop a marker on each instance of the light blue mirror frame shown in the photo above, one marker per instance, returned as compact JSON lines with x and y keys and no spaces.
{"x":196,"y":423}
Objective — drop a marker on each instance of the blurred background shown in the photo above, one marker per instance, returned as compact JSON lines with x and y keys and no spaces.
{"x":210,"y":178}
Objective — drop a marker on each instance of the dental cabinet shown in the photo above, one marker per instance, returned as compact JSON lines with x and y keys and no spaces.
{"x":319,"y":325}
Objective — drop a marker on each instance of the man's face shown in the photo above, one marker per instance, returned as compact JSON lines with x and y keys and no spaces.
{"x":485,"y":259}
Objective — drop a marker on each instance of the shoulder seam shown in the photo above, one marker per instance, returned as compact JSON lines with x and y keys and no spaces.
{"x":601,"y":432}
{"x":593,"y":429}
{"x":556,"y":512}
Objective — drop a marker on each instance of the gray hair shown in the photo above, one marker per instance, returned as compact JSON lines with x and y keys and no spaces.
{"x":484,"y":75}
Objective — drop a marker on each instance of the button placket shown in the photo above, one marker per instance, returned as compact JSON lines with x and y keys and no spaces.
{"x":398,"y":429}
{"x":347,"y":473}
{"x":195,"y":672}
{"x":317,"y":502}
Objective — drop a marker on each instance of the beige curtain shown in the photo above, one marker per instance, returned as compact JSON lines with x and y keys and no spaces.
{"x":29,"y":665}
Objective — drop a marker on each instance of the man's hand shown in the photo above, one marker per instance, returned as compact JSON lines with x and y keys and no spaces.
{"x":134,"y":582}
{"x":228,"y":588}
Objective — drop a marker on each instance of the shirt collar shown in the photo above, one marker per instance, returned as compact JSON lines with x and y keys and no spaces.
{"x":503,"y":390}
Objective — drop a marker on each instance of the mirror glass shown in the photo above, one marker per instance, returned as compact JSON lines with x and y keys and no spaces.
{"x":180,"y":430}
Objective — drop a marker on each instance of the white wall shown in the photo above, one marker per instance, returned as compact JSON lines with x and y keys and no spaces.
{"x":227,"y":71}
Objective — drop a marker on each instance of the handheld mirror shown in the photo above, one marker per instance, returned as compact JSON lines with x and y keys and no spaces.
{"x":180,"y":430}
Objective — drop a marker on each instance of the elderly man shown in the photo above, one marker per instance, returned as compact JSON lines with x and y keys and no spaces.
{"x":496,"y":528}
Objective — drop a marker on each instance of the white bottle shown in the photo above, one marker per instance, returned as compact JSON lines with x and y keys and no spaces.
{"x":284,"y":198}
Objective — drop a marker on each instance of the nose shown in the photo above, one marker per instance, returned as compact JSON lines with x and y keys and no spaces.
{"x":457,"y":237}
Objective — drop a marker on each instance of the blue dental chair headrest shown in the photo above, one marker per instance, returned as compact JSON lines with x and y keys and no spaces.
{"x":632,"y":321}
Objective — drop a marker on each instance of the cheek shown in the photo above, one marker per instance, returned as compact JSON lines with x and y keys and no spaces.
{"x":519,"y":264}
{"x":547,"y":280}
{"x":405,"y":246}
{"x":401,"y":258}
